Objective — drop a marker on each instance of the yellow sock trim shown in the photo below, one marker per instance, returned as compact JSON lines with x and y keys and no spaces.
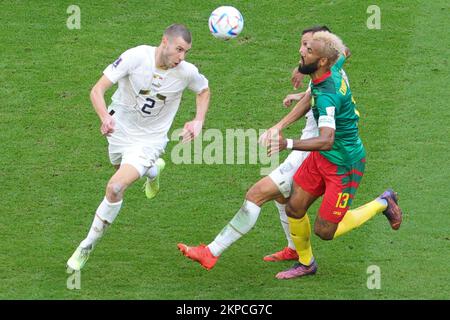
{"x":354,"y":218}
{"x":301,"y":233}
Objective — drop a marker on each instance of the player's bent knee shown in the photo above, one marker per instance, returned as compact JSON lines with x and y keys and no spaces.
{"x":293,"y":212}
{"x":323,"y":234}
{"x":257,"y":195}
{"x":262,"y":191}
{"x":281,"y":200}
{"x":254,"y":194}
{"x":114,"y":190}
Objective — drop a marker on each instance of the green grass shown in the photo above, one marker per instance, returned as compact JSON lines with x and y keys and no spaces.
{"x":55,"y":166}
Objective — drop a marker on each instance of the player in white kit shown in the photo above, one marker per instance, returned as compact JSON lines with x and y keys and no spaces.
{"x":275,"y":186}
{"x":151,"y":81}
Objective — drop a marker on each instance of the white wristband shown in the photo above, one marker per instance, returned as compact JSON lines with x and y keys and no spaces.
{"x":290,"y":143}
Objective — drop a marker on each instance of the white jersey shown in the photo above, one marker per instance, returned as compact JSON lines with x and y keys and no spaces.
{"x":310,"y":130}
{"x":147,"y":98}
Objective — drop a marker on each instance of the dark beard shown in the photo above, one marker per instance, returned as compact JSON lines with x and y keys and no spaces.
{"x":309,"y":68}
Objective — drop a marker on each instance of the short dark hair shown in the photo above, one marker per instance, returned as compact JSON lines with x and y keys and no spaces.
{"x":315,"y":29}
{"x":178,"y":30}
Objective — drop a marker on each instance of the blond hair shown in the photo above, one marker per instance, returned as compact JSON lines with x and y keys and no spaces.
{"x":332,"y":46}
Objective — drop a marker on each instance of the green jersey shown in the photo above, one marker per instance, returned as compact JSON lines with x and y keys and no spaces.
{"x":333,"y":106}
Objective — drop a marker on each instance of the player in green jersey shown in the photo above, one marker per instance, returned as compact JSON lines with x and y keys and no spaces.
{"x":278,"y":184}
{"x":336,"y":163}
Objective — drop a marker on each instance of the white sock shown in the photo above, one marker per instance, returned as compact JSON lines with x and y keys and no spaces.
{"x":285,"y":223}
{"x":97,"y":230}
{"x":151,"y":173}
{"x":242,"y":222}
{"x":105,"y":215}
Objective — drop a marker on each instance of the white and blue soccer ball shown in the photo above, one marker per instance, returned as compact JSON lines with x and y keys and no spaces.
{"x":226,"y":22}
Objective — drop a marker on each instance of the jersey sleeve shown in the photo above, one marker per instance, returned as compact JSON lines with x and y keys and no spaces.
{"x":197,"y":81}
{"x":326,"y":105}
{"x":123,"y":65}
{"x":339,"y":63}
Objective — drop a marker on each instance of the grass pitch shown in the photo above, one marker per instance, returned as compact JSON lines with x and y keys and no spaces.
{"x":55,"y":166}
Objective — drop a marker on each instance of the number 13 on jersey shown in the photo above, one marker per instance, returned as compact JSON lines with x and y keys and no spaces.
{"x":342,"y":200}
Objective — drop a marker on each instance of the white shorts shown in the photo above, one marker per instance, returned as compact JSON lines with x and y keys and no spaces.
{"x":140,"y":157}
{"x":123,"y":149}
{"x":283,"y":175}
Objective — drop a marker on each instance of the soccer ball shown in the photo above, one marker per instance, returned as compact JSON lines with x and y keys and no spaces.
{"x":225,"y":22}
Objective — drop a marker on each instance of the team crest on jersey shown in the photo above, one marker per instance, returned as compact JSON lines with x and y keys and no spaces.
{"x":116,"y":63}
{"x":157,"y":79}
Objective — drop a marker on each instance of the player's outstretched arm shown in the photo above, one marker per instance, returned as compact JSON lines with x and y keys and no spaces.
{"x":192,"y":128}
{"x":99,"y":104}
{"x":300,"y":109}
{"x":323,"y":142}
{"x":292,"y":97}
